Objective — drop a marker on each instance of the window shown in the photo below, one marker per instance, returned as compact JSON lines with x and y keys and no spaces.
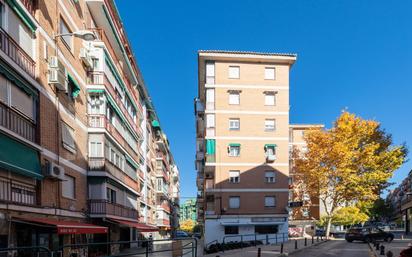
{"x":234,"y":150}
{"x":231,"y":230}
{"x":68,"y":137}
{"x":270,"y":73}
{"x":270,"y":98}
{"x":305,"y":212}
{"x":270,"y":201}
{"x":234,"y":124}
{"x":234,"y":72}
{"x":111,"y":195}
{"x":210,"y":99}
{"x":270,"y":176}
{"x":270,"y":150}
{"x":64,"y":29}
{"x":304,"y":149}
{"x":270,"y":125}
{"x":234,"y":97}
{"x":210,"y":120}
{"x":96,"y":149}
{"x":210,"y":73}
{"x":234,"y":202}
{"x":96,"y":104}
{"x":306,"y":197}
{"x":68,"y":187}
{"x":266,"y":229}
{"x":234,"y":176}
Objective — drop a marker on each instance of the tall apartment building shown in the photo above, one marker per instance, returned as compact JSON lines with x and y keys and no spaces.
{"x":308,"y":211}
{"x":80,"y":141}
{"x":188,"y":210}
{"x":242,"y":159}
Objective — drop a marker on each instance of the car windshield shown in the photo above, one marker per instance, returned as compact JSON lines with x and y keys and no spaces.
{"x":354,"y":230}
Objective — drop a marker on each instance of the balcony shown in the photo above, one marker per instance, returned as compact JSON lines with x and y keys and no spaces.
{"x":31,"y":5}
{"x":21,"y":194}
{"x":99,"y":78}
{"x":101,"y":164}
{"x":12,"y":120}
{"x":100,"y":121}
{"x":104,"y":208}
{"x":163,"y":223}
{"x":12,"y":49}
{"x":165,"y":206}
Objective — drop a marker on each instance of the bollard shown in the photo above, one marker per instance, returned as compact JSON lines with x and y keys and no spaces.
{"x":296,"y":244}
{"x":267,"y":239}
{"x":281,"y":248}
{"x":317,"y":239}
{"x":402,"y":236}
{"x":382,"y":250}
{"x":377,"y":246}
{"x":389,"y":254}
{"x":313,"y":239}
{"x":306,"y":241}
{"x":258,"y":252}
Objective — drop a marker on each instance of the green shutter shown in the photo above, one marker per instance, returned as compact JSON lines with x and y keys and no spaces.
{"x":22,"y":15}
{"x":95,"y":90}
{"x":19,"y":158}
{"x":234,"y":144}
{"x":270,"y":145}
{"x":210,"y":146}
{"x":76,"y":90}
{"x":155,"y":124}
{"x":132,"y":162}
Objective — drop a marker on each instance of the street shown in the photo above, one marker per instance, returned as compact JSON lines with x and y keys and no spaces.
{"x":338,"y":247}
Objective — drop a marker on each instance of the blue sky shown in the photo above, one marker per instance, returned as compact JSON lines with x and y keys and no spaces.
{"x":351,"y":54}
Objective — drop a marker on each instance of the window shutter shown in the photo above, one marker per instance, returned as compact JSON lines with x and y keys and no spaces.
{"x":22,"y":102}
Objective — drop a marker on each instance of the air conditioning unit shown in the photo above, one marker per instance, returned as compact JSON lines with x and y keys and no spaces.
{"x":54,"y":63}
{"x":58,"y":79}
{"x":85,"y":57}
{"x":52,"y":170}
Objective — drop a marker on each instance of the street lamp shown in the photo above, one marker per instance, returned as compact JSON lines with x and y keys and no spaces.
{"x":86,"y":35}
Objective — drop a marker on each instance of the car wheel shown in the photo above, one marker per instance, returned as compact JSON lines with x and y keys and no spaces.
{"x":368,"y":240}
{"x":389,"y":239}
{"x":349,"y":240}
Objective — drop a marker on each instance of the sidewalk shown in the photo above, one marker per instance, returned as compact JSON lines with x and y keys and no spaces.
{"x":269,"y":250}
{"x":396,"y":246}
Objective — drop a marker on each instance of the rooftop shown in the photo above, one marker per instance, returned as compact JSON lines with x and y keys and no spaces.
{"x":247,"y":53}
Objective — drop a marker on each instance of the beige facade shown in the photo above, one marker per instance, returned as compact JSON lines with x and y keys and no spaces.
{"x":79,"y":136}
{"x":242,"y":114}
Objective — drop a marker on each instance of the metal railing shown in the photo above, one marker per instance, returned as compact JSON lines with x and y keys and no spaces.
{"x":31,"y":5}
{"x":107,"y":208}
{"x":14,"y":121}
{"x":17,"y":193}
{"x":16,"y":53}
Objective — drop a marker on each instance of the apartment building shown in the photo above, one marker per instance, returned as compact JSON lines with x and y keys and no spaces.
{"x":76,"y":129}
{"x":188,"y":210}
{"x":305,"y":209}
{"x":242,"y":159}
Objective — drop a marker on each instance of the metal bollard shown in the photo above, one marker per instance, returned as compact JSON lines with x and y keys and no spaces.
{"x":389,"y":254}
{"x":317,"y":239}
{"x":382,"y":250}
{"x":267,"y":239}
{"x":259,"y":250}
{"x":296,"y":244}
{"x":313,"y":239}
{"x":306,"y":241}
{"x":402,"y":236}
{"x":377,"y":246}
{"x":281,"y":248}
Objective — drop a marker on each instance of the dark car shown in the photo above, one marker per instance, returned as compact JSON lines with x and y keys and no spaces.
{"x":181,"y":234}
{"x":368,"y":234}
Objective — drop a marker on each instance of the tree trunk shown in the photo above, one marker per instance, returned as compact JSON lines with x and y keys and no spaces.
{"x":328,"y":224}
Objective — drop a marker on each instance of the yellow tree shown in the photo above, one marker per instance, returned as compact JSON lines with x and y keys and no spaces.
{"x":348,"y":163}
{"x":350,"y":215}
{"x":187,"y":225}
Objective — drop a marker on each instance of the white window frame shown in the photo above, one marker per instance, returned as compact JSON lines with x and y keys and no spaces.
{"x":270,"y":201}
{"x":234,"y":176}
{"x":270,"y":150}
{"x":68,"y":39}
{"x":270,"y":73}
{"x":234,"y":98}
{"x":232,"y":154}
{"x":234,"y":202}
{"x":210,"y":120}
{"x":69,"y":187}
{"x":270,"y":98}
{"x":268,"y":126}
{"x":95,"y":152}
{"x":234,"y":72}
{"x":270,"y":179}
{"x":233,"y":122}
{"x":68,"y":137}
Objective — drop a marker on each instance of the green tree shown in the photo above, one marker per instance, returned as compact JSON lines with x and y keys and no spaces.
{"x":349,"y":163}
{"x":350,"y":215}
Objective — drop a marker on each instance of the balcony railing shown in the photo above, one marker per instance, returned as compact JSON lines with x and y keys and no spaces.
{"x":12,"y":120}
{"x":31,"y":5}
{"x":104,"y":207}
{"x":102,"y":164}
{"x":12,"y":49}
{"x":21,"y":194}
{"x":163,"y":222}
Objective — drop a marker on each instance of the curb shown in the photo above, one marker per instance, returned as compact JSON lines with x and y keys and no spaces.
{"x":373,"y":251}
{"x":301,"y":249}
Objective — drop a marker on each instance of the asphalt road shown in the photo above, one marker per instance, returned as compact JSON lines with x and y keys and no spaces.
{"x":338,"y":248}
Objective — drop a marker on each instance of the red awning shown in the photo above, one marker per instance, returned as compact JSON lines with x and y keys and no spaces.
{"x":67,"y":227}
{"x":140,"y":226}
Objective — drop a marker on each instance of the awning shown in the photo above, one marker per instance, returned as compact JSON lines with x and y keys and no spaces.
{"x":234,"y":144}
{"x":140,"y":226}
{"x":155,"y":124}
{"x":73,"y":81}
{"x":66,"y":227}
{"x":210,"y":146}
{"x":270,"y":145}
{"x":19,"y":158}
{"x":22,"y":15}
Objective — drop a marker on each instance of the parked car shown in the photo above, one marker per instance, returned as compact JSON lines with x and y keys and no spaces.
{"x":368,"y":234}
{"x":320,"y":232}
{"x":180,"y":234}
{"x":197,"y":235}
